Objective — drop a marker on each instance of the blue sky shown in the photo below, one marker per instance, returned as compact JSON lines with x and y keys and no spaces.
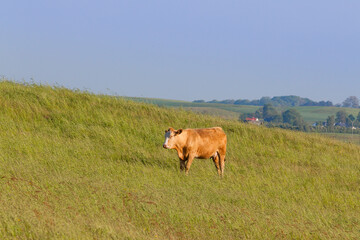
{"x":186,"y":50}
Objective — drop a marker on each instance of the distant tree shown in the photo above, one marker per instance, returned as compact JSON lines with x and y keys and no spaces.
{"x":357,"y":122}
{"x":330,"y":122}
{"x":242,"y":102}
{"x":269,"y":110}
{"x":318,"y":123}
{"x":341,"y":116}
{"x":293,"y":117}
{"x":198,"y":101}
{"x":352,"y":102}
{"x":310,"y":103}
{"x":351,"y":117}
{"x":277,"y":118}
{"x":292,"y":101}
{"x":259,"y":113}
{"x":247,"y":102}
{"x":228,"y":101}
{"x":329,"y":104}
{"x":325,"y":104}
{"x":350,"y":120}
{"x":279,"y":101}
{"x":264,"y":100}
{"x":255,"y":102}
{"x":270,"y":114}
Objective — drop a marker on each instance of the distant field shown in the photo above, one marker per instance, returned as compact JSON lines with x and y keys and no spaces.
{"x":229,"y":111}
{"x":313,"y":114}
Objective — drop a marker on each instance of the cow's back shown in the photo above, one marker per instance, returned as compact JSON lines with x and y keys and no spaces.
{"x":206,"y":141}
{"x":215,"y":134}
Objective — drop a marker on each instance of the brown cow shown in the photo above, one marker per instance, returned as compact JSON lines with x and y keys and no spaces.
{"x":198,"y":143}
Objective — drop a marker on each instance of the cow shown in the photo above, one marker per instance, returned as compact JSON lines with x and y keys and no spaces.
{"x":203,"y":143}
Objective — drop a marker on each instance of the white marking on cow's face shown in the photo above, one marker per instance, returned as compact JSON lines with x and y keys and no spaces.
{"x":167,"y":137}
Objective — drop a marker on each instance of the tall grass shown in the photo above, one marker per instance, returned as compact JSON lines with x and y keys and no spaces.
{"x":74,"y":165}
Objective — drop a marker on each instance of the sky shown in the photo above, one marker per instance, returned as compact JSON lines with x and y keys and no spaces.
{"x":185,"y":50}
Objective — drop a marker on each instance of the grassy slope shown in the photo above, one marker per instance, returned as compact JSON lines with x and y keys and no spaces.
{"x":80,"y":166}
{"x":310,"y":114}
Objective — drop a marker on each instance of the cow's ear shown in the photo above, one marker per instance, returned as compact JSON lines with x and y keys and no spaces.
{"x":179,"y":131}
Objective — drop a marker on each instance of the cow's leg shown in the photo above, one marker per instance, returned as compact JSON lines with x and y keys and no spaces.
{"x":182,"y":164}
{"x":216,"y":162}
{"x":190,"y":159}
{"x":222,"y":163}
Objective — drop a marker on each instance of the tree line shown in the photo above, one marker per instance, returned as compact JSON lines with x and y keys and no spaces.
{"x":289,"y":119}
{"x":292,"y":119}
{"x":287,"y":101}
{"x":341,"y":122}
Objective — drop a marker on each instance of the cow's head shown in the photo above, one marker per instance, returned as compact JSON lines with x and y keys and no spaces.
{"x":171,"y":137}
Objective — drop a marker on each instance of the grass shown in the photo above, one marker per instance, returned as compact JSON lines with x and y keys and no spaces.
{"x":345,"y":137}
{"x":212,"y":111}
{"x":74,"y":165}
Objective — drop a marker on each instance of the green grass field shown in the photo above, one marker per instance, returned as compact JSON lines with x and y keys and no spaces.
{"x":229,"y":111}
{"x":313,"y":114}
{"x":345,"y":137}
{"x":75,"y":165}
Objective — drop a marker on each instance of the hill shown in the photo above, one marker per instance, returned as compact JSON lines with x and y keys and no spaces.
{"x":75,"y":165}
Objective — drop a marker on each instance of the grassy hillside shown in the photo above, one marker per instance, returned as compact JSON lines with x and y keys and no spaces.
{"x":75,"y":165}
{"x":310,"y":114}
